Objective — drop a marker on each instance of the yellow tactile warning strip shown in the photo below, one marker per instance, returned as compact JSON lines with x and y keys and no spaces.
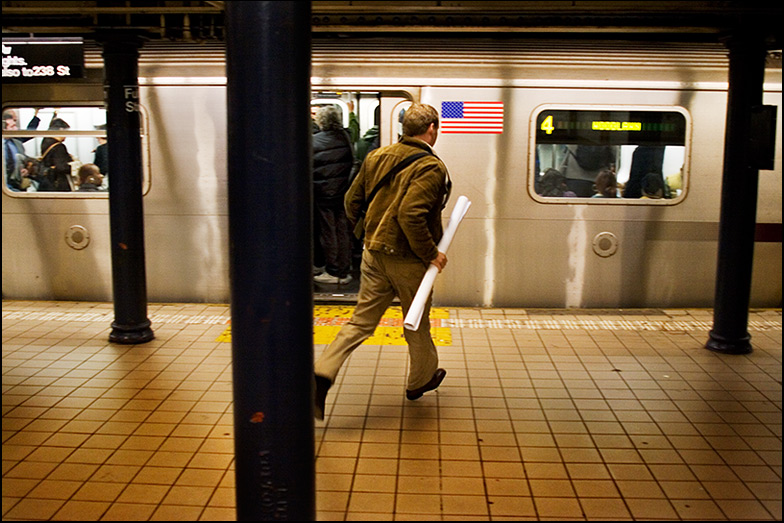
{"x":328,"y":319}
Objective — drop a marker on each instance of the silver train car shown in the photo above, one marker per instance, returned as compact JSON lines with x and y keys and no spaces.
{"x":511,"y":113}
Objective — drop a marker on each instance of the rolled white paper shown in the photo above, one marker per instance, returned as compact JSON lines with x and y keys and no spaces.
{"x":414,"y":315}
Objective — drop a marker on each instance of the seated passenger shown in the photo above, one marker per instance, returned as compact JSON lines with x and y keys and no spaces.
{"x":582,"y":163}
{"x":90,"y":178}
{"x":652,"y":186}
{"x":675,"y":183}
{"x":606,"y":185}
{"x":553,"y":183}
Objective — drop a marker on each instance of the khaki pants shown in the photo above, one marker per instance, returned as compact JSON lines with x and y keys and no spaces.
{"x":384,"y":277}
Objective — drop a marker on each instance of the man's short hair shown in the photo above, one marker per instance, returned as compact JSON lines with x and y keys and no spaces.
{"x":418,"y":118}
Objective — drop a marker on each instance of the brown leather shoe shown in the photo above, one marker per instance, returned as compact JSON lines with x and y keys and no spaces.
{"x":433,"y":384}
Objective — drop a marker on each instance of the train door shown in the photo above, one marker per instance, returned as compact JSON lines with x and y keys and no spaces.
{"x":370,"y":119}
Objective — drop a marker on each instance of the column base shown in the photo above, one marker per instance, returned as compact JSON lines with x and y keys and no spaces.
{"x":718,"y":343}
{"x":131,"y":334}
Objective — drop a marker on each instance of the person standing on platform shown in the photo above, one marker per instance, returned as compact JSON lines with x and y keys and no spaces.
{"x":402,"y":227}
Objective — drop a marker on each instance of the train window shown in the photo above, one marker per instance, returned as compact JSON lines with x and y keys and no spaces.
{"x":612,"y":155}
{"x":57,"y":152}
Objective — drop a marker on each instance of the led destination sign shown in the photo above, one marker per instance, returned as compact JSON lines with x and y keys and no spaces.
{"x":42,"y":60}
{"x":587,"y":127}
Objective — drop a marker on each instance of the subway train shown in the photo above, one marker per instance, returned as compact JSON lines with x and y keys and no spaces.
{"x":530,"y":131}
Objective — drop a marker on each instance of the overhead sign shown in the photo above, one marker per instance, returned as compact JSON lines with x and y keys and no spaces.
{"x":35,"y":60}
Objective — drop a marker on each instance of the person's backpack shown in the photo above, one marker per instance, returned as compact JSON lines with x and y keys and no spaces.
{"x":592,"y":157}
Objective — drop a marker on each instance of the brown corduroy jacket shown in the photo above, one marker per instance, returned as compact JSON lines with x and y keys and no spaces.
{"x":404,"y":218}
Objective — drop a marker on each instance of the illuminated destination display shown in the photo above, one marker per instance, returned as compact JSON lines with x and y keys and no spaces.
{"x":593,"y":127}
{"x":616,"y":126}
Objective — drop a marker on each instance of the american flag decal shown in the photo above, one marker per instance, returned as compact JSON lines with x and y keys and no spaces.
{"x":472,"y":117}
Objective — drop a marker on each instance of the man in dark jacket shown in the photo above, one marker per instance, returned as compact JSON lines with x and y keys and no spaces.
{"x":332,"y":162}
{"x":402,"y":230}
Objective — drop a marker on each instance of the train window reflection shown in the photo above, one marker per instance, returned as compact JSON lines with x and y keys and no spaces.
{"x":610,"y":155}
{"x":50,"y":151}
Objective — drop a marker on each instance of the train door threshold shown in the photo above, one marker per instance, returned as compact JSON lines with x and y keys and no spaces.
{"x":322,"y":295}
{"x":329,"y":293}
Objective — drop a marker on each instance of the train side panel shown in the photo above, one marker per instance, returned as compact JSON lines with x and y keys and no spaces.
{"x":514,"y":249}
{"x":186,"y":209}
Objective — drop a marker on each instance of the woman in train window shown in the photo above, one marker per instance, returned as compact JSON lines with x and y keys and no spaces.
{"x":56,"y":159}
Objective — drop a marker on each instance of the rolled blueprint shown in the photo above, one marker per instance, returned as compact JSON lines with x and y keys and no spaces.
{"x":414,"y":315}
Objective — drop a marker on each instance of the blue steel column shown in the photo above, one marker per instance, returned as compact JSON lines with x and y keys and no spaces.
{"x":129,"y":282}
{"x":269,"y":172}
{"x":738,"y":198}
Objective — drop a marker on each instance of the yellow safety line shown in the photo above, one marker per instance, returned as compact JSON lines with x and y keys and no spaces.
{"x":327,"y":320}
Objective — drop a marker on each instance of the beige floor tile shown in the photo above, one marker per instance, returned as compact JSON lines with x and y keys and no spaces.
{"x":218,"y":514}
{"x":595,"y":488}
{"x":513,"y":507}
{"x":368,"y":483}
{"x":551,"y":488}
{"x":31,"y":470}
{"x":55,"y":489}
{"x":604,"y":508}
{"x":115,"y":473}
{"x":565,"y":508}
{"x":81,"y":511}
{"x":141,"y":493}
{"x":176,"y":513}
{"x":332,"y":501}
{"x":188,"y":495}
{"x":464,"y":505}
{"x":698,"y":509}
{"x":99,"y":491}
{"x":371,"y":502}
{"x":334,"y":482}
{"x":418,"y":503}
{"x":462,"y":486}
{"x":418,"y":484}
{"x":157,"y":475}
{"x":657,"y":509}
{"x":34,"y":509}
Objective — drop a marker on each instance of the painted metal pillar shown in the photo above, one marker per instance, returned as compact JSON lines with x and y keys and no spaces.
{"x":738,"y":197}
{"x":270,"y":224}
{"x":129,"y":283}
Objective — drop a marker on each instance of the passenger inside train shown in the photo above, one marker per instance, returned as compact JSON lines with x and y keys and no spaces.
{"x":56,"y":161}
{"x":653,"y":187}
{"x":355,"y":114}
{"x":90,"y":178}
{"x":333,"y":159}
{"x":606,"y":185}
{"x":553,"y":183}
{"x":14,"y":155}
